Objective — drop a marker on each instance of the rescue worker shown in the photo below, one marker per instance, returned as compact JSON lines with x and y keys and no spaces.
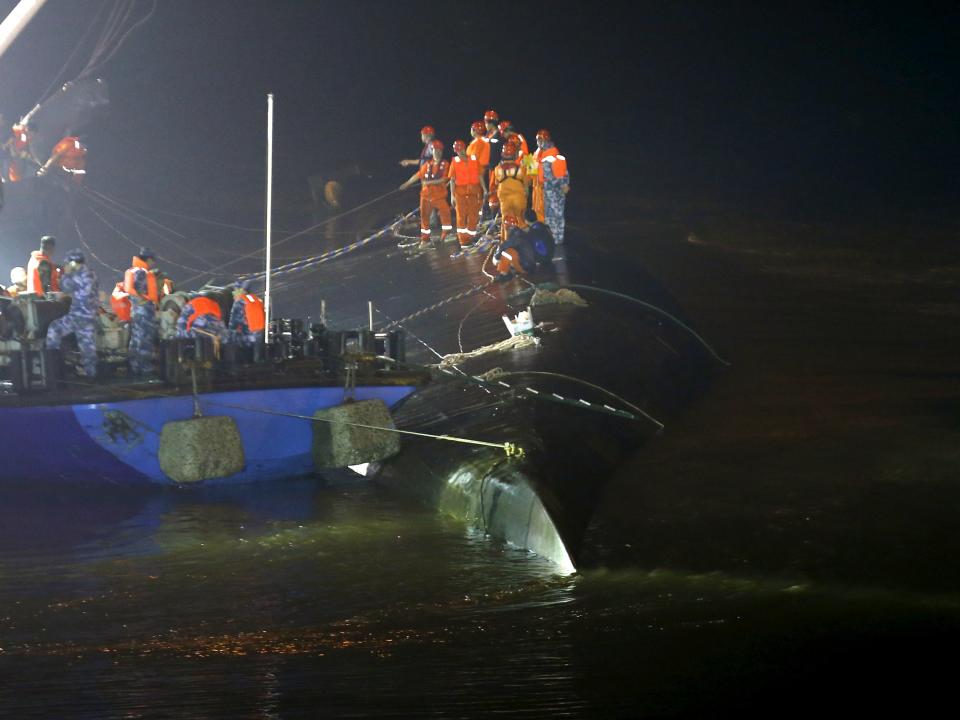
{"x":513,"y":255}
{"x":427,"y":134}
{"x":80,"y":282}
{"x":508,"y":133}
{"x":433,"y":194}
{"x":42,"y":275}
{"x":201,"y":316}
{"x":247,"y":317}
{"x":480,"y":146}
{"x":120,"y":302}
{"x":508,"y":188}
{"x":18,"y":282}
{"x":140,"y":284}
{"x":540,"y":237}
{"x":465,"y":192}
{"x":553,"y":178}
{"x":495,"y":142}
{"x":20,"y":150}
{"x":70,"y":156}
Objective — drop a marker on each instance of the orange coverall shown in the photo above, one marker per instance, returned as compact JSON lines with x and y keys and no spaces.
{"x":465,"y":175}
{"x":508,"y":189}
{"x":434,"y":197}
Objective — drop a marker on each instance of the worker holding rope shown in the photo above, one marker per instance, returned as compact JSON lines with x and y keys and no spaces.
{"x":433,"y":177}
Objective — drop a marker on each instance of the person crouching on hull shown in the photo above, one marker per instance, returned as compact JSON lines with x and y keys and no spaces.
{"x":513,"y":256}
{"x":80,"y":283}
{"x":247,"y":317}
{"x":465,"y":192}
{"x":433,"y":194}
{"x":202,"y":317}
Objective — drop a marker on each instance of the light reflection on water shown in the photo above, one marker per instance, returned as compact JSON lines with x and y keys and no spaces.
{"x":299,"y":600}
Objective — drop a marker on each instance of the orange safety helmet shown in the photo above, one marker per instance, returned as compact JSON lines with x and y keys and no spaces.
{"x":459,"y":146}
{"x":436,"y":144}
{"x":510,"y":149}
{"x":427,"y":130}
{"x":504,"y":126}
{"x":491,"y":116}
{"x":510,"y":221}
{"x":544,"y":135}
{"x":478,"y":127}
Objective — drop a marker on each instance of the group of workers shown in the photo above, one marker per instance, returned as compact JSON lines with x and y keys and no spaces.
{"x":495,"y":171}
{"x":68,"y":157}
{"x":135,"y":300}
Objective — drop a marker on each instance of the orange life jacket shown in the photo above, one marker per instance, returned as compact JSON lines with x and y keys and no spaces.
{"x":203,"y":306}
{"x":253,"y":310}
{"x":481,"y":148}
{"x":34,"y":285}
{"x":558,"y":161}
{"x":73,"y":154}
{"x":120,"y":302}
{"x":465,"y":172}
{"x":130,"y":275}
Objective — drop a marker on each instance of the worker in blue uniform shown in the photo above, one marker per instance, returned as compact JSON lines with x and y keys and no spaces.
{"x":80,"y":283}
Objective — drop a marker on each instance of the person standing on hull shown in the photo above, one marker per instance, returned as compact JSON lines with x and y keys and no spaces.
{"x":508,"y":188}
{"x":433,"y":194}
{"x":553,"y":177}
{"x":480,"y":148}
{"x":247,"y":316}
{"x":42,"y":275}
{"x":80,"y":283}
{"x":140,"y":284}
{"x":465,"y":192}
{"x":427,"y":133}
{"x":494,"y":142}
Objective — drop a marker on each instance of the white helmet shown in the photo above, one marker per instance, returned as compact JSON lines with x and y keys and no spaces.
{"x":18,"y":276}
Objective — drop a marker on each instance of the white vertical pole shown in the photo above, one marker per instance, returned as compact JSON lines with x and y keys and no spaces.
{"x":17,"y":20}
{"x":269,"y":218}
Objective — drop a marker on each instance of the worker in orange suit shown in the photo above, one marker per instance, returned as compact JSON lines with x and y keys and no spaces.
{"x":479,"y":147}
{"x":433,"y":176}
{"x":508,"y":132}
{"x":70,"y":156}
{"x":508,"y":188}
{"x":465,"y":192}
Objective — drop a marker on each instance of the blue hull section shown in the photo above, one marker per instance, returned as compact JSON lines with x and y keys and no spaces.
{"x":117,"y":443}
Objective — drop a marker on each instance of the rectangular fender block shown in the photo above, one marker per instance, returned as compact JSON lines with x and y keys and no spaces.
{"x":336,"y":443}
{"x":201,"y":449}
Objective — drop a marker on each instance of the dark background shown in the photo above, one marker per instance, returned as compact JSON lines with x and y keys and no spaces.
{"x":812,"y":109}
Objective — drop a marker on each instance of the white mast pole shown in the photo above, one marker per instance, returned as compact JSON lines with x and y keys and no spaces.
{"x":269,"y":218}
{"x":17,"y":20}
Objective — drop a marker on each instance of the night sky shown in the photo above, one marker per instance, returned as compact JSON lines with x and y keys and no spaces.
{"x":816,"y":108}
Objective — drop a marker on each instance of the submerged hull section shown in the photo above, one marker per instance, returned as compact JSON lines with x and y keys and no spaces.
{"x":116,"y":443}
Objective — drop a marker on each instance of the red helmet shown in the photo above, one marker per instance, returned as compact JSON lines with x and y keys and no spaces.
{"x":504,"y":126}
{"x":436,"y":144}
{"x":510,"y":221}
{"x":478,"y":127}
{"x":544,"y":135}
{"x":427,"y":130}
{"x":491,"y":116}
{"x":459,"y":146}
{"x":510,"y":149}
